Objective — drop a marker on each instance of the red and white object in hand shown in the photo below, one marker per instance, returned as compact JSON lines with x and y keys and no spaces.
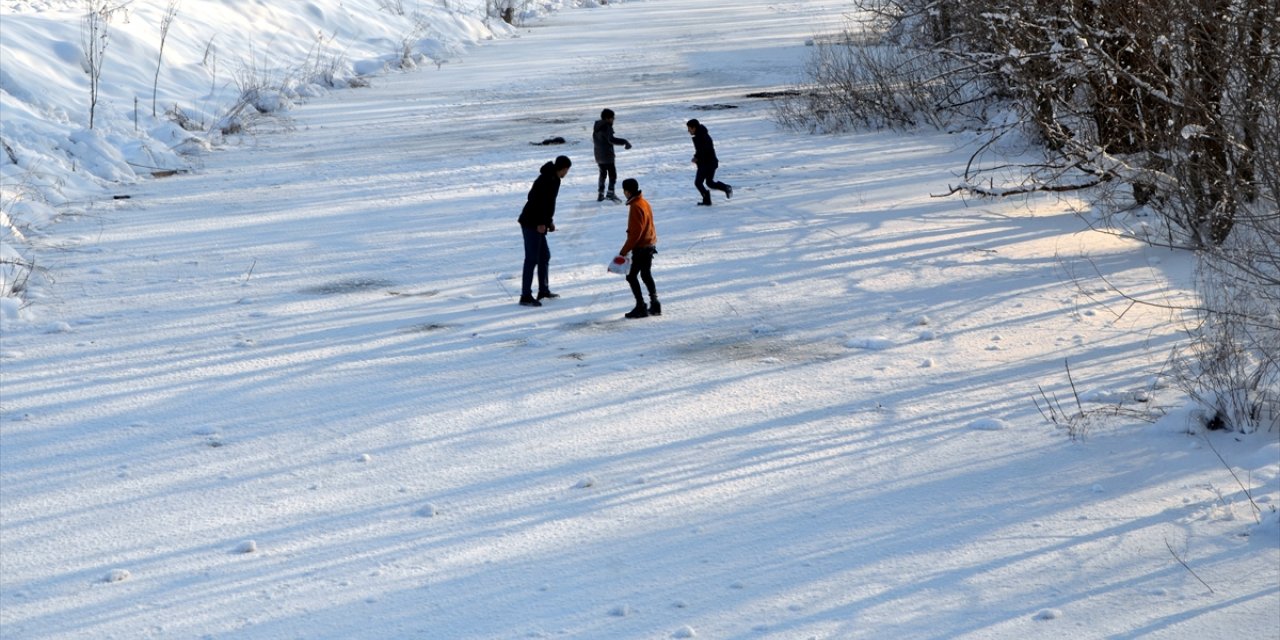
{"x":620,"y":264}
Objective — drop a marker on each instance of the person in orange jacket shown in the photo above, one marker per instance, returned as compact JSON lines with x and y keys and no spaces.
{"x":642,"y":244}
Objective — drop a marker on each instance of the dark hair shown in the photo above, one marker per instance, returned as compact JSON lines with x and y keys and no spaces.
{"x":606,"y":114}
{"x":631,"y":185}
{"x":563,"y":162}
{"x":693,"y":123}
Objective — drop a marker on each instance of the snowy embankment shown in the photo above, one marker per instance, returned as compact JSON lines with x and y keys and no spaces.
{"x":167,"y":95}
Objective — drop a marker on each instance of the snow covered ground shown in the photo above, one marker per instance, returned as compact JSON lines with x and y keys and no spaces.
{"x":291,"y":394}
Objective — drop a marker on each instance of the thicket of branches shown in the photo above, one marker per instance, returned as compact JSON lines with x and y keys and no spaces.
{"x":1166,"y":105}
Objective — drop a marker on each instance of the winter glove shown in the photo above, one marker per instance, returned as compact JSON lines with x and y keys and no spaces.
{"x":626,"y":146}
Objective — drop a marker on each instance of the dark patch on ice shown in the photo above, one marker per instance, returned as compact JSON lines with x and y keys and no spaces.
{"x":576,"y":355}
{"x":786,"y":93}
{"x":547,"y":120}
{"x":351,"y":285}
{"x":548,"y":142}
{"x":764,"y":348}
{"x":713,"y":107}
{"x":426,"y":327}
{"x":595,"y":324}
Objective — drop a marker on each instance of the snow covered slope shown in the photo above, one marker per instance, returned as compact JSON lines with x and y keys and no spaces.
{"x":291,"y":394}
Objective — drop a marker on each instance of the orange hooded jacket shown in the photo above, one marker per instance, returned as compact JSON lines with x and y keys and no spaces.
{"x":640,"y":229}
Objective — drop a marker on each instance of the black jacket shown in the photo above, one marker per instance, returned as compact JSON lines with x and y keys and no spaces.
{"x":603,"y":140}
{"x":704,"y":150}
{"x":541,"y":206}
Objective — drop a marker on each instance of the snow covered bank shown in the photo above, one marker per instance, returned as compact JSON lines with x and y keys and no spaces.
{"x":167,"y":94}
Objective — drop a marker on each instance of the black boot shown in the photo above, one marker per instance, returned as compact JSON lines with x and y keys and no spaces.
{"x":655,"y":307}
{"x":639,"y":312}
{"x":529,"y":301}
{"x":546,"y":293}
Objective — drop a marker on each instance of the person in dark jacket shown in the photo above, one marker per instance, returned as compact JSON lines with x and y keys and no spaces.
{"x":704,"y":156}
{"x":536,"y":221}
{"x":642,"y":244}
{"x":604,"y":141}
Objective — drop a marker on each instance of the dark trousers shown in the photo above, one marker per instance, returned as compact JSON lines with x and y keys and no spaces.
{"x":641,"y":264}
{"x":536,"y":255}
{"x":707,"y":174}
{"x":608,"y":171}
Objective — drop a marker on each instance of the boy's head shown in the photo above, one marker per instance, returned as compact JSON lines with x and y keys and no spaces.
{"x":607,"y":114}
{"x":562,"y":165}
{"x":630,"y":187}
{"x":692,"y":125}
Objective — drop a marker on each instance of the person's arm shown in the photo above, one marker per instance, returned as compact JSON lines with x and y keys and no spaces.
{"x":635,"y":223}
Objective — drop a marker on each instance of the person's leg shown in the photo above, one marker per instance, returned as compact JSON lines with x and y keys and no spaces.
{"x":646,"y":272}
{"x":701,"y":178}
{"x":544,"y":258}
{"x":531,"y":258}
{"x":633,"y":279}
{"x":604,"y":172}
{"x":613,"y":178}
{"x":716,"y":184}
{"x":646,"y":276}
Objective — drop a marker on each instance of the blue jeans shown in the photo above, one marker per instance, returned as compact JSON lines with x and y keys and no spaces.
{"x":536,"y":255}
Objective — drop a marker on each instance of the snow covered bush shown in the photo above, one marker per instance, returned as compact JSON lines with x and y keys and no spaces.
{"x":859,"y":79}
{"x":506,"y":9}
{"x":1231,"y":366}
